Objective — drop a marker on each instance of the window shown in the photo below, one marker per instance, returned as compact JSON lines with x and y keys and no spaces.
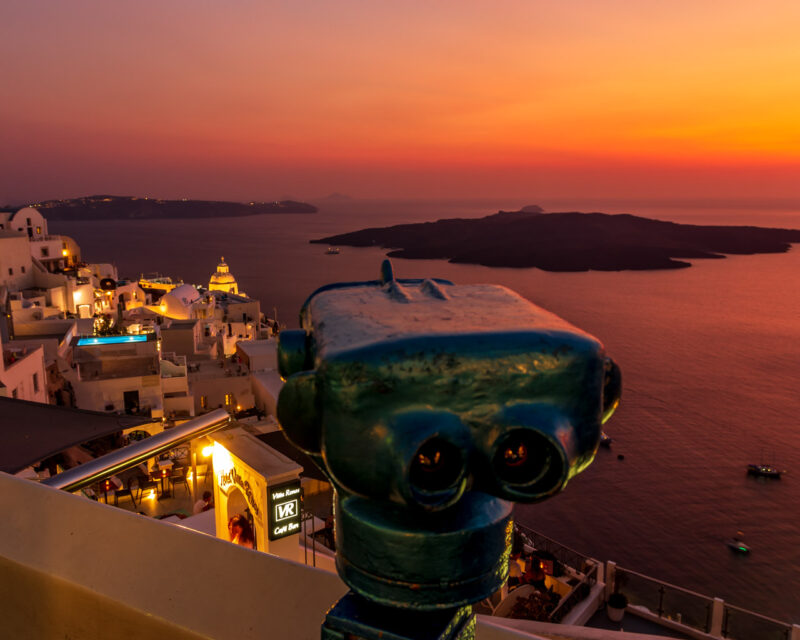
{"x":204,"y":402}
{"x":23,"y":268}
{"x":10,"y":271}
{"x":38,"y":229}
{"x":28,"y":221}
{"x":36,"y":382}
{"x":45,"y":252}
{"x":228,"y":399}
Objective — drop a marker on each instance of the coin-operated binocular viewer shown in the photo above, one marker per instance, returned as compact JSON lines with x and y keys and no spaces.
{"x":432,"y":407}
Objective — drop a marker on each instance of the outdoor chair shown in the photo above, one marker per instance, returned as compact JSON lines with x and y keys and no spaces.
{"x":125,"y":491}
{"x":179,"y":476}
{"x":145,"y":482}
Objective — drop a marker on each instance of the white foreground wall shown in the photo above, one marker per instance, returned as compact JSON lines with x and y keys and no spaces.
{"x":74,"y":568}
{"x":198,"y":583}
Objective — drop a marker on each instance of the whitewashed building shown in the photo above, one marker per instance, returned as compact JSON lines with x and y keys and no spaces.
{"x":22,"y":369}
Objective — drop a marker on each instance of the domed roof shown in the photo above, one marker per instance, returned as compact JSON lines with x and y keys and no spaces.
{"x":223,"y":274}
{"x":222,"y":279}
{"x":178,"y":302}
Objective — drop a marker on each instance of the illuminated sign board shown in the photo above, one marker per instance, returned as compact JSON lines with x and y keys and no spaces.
{"x":283,"y":501}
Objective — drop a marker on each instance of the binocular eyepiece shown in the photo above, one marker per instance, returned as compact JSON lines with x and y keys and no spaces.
{"x":431,"y":407}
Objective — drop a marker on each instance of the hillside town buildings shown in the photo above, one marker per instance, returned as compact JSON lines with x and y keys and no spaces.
{"x":75,"y":333}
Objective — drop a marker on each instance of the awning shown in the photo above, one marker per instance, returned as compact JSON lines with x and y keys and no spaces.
{"x":32,"y":431}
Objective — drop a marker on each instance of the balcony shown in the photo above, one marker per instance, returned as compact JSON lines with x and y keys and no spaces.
{"x":173,"y":366}
{"x":13,"y":356}
{"x":120,"y":367}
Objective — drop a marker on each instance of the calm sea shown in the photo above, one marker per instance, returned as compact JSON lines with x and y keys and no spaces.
{"x":710,"y":357}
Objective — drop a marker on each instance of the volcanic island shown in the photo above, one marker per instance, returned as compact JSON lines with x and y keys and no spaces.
{"x":567,"y":241}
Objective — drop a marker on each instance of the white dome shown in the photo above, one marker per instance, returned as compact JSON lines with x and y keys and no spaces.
{"x":178,"y":302}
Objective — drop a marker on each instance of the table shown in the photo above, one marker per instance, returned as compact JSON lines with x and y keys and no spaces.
{"x":164,"y":468}
{"x":108,"y":485}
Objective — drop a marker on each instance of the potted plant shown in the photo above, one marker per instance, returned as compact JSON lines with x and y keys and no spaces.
{"x":615,"y":607}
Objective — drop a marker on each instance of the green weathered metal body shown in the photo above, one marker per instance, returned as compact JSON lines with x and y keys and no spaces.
{"x":431,"y":407}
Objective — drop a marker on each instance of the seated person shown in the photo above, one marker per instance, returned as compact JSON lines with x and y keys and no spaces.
{"x":204,"y":504}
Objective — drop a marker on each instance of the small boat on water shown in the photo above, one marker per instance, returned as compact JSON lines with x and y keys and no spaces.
{"x":332,"y":251}
{"x":737,"y":545}
{"x":764,"y":470}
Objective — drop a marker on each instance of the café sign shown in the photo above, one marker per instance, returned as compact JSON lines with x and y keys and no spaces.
{"x":231,"y":477}
{"x":283,"y":501}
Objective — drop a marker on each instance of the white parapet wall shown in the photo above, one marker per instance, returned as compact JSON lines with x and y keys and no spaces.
{"x":74,"y":551}
{"x":74,"y":568}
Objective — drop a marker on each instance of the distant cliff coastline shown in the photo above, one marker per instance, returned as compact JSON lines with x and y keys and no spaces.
{"x":570,"y":241}
{"x":119,"y":207}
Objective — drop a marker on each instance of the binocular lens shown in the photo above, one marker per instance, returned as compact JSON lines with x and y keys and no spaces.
{"x":437,"y":465}
{"x":515,"y":455}
{"x":522,"y":457}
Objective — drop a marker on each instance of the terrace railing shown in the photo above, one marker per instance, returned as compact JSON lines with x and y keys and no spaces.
{"x":741,"y":624}
{"x":571,"y":558}
{"x":695,"y":610}
{"x":666,"y":600}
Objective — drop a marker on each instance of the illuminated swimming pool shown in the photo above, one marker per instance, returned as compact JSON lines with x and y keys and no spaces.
{"x":84,"y":342}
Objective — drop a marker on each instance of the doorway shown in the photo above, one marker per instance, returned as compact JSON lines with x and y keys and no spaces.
{"x":131,"y":401}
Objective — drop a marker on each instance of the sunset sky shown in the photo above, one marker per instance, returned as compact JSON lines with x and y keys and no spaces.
{"x":258,"y":100}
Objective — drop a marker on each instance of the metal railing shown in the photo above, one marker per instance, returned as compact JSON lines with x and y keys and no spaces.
{"x":695,"y":610}
{"x":741,"y":624}
{"x":666,"y":600}
{"x":136,"y":453}
{"x":307,"y":517}
{"x":571,"y":558}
